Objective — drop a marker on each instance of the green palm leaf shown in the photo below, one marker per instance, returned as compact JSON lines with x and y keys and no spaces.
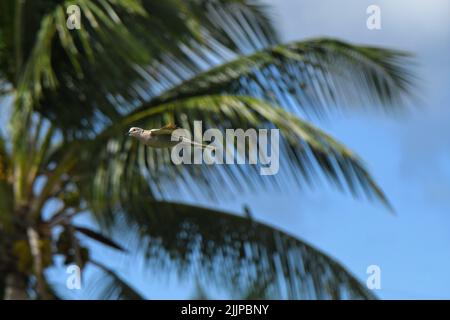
{"x":311,"y":151}
{"x":112,"y":286}
{"x":75,"y":63}
{"x":149,"y":62}
{"x":233,"y":252}
{"x":312,"y":75}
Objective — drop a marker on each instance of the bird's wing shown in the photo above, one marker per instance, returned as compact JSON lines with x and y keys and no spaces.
{"x":166,"y":130}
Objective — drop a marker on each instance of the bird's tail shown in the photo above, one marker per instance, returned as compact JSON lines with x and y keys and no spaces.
{"x":203,"y":146}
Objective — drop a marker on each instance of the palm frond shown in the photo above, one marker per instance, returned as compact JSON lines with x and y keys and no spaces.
{"x":98,"y":237}
{"x":233,"y":252}
{"x":32,"y":142}
{"x":7,"y":39}
{"x":5,"y":159}
{"x":183,"y":33}
{"x":312,"y":76}
{"x":112,"y":286}
{"x":306,"y":152}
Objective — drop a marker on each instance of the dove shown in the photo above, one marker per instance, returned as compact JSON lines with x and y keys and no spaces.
{"x":162,"y":137}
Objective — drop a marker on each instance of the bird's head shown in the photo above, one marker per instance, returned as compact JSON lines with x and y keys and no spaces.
{"x":135,"y":132}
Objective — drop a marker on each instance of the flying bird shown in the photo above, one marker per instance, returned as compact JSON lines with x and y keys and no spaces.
{"x":162,"y":137}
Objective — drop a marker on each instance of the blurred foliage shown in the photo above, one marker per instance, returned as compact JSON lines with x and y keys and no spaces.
{"x":75,"y":92}
{"x":21,"y":250}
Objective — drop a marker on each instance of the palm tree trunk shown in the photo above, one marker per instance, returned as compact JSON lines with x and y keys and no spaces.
{"x":15,"y":287}
{"x":33,"y":239}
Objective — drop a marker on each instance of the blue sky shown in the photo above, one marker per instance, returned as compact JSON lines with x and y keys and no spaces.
{"x":409,"y":156}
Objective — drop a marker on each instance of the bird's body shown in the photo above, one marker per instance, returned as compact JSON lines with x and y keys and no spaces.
{"x":150,"y":139}
{"x":161,"y":138}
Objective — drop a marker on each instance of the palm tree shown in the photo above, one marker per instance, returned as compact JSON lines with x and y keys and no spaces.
{"x":72,"y":94}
